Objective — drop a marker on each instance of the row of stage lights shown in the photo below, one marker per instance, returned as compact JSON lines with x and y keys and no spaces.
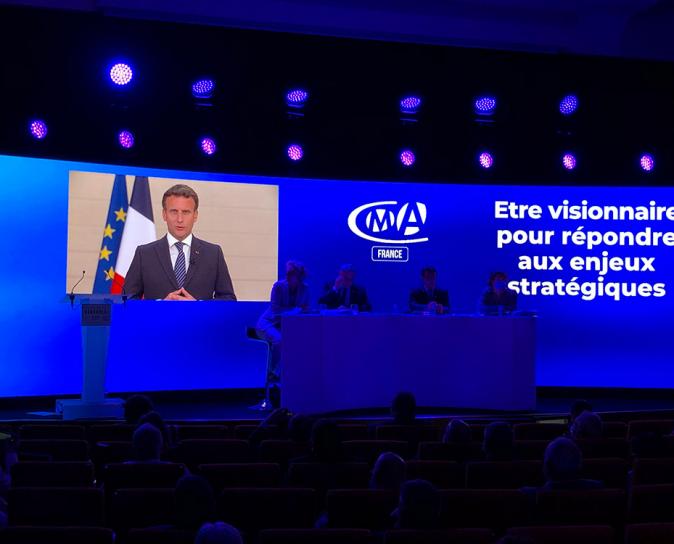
{"x":121,"y":75}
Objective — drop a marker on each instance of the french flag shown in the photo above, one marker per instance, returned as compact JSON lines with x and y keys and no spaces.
{"x":139,"y":229}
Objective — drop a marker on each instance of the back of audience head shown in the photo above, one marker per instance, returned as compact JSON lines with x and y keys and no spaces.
{"x":563,"y":461}
{"x":135,"y":407}
{"x":418,"y":506}
{"x":457,"y":432}
{"x":586,"y":425}
{"x":578,"y":407}
{"x":218,"y":533}
{"x":195,"y":502}
{"x":147,"y":443}
{"x":404,"y":408}
{"x":388,"y":472}
{"x":154,"y":418}
{"x":326,"y":441}
{"x":498,"y":441}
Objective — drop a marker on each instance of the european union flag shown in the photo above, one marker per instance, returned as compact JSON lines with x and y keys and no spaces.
{"x":112,"y":236}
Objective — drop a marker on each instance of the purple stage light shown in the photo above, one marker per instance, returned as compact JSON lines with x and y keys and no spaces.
{"x":569,"y":161}
{"x":297,"y":98}
{"x":486,"y":160}
{"x":407,"y":157}
{"x":38,"y":129}
{"x":647,"y":162}
{"x":121,"y":73}
{"x":208,"y":146}
{"x":485,"y":105}
{"x":295,"y":152}
{"x":126,"y":139}
{"x":410,"y":104}
{"x":203,"y":88}
{"x":568,"y":104}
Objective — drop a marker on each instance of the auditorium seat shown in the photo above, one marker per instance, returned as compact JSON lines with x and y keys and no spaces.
{"x":503,"y":474}
{"x":529,"y":450}
{"x":611,"y":471}
{"x":367,"y":451}
{"x":57,"y":535}
{"x":565,"y":534}
{"x":439,"y":451}
{"x":477,"y":431}
{"x":408,"y":433}
{"x":315,"y":536}
{"x":136,"y":508}
{"x":222,"y":475}
{"x":581,"y":506}
{"x":324,"y":476}
{"x":653,"y":471}
{"x":614,"y":429}
{"x":53,"y":450}
{"x":269,"y":432}
{"x":117,"y":432}
{"x":268,"y":508}
{"x":651,"y":503}
{"x":281,"y":451}
{"x":361,"y":508}
{"x":141,"y":475}
{"x":350,"y":431}
{"x":105,"y":453}
{"x":195,"y":452}
{"x":657,"y":426}
{"x":495,"y":509}
{"x":55,"y":506}
{"x":604,"y":447}
{"x":539,"y":431}
{"x":447,"y":536}
{"x":649,"y":533}
{"x":442,"y":474}
{"x":52,"y":474}
{"x":57,"y":431}
{"x":159,"y":535}
{"x":188,"y":432}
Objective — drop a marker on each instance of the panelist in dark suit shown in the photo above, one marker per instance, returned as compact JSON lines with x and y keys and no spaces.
{"x":497,"y":299}
{"x":344,"y":293}
{"x":179,"y":266}
{"x":429,"y":298}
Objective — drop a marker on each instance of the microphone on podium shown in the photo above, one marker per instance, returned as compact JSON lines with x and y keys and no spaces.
{"x":71,"y":296}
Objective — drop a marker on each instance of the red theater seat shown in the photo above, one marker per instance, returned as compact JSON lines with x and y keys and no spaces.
{"x":495,"y":509}
{"x":158,"y":535}
{"x":324,"y":476}
{"x":448,"y":536}
{"x":269,"y":432}
{"x":141,"y":475}
{"x":604,"y":447}
{"x":649,"y":533}
{"x":55,"y":506}
{"x":657,"y":426}
{"x":53,"y":450}
{"x":539,"y":431}
{"x":281,"y":451}
{"x":189,"y":432}
{"x":57,"y":535}
{"x":367,"y":451}
{"x":241,"y":475}
{"x":315,"y":536}
{"x":54,"y":431}
{"x":588,"y":534}
{"x":408,"y":433}
{"x":612,"y":472}
{"x":653,"y":471}
{"x":651,"y":503}
{"x":267,"y":508}
{"x":112,"y":432}
{"x":442,"y":474}
{"x":136,"y":508}
{"x":585,"y":506}
{"x":197,"y":452}
{"x":52,"y":474}
{"x":353,"y":432}
{"x":503,"y":474}
{"x":529,"y":450}
{"x":361,"y":508}
{"x":105,"y":453}
{"x":439,"y":451}
{"x":614,"y":429}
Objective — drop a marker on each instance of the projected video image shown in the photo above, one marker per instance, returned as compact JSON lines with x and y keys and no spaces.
{"x":202,"y":240}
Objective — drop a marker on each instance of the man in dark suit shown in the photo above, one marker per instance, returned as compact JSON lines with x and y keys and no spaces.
{"x":344,"y":293}
{"x":429,"y":298}
{"x":179,"y":266}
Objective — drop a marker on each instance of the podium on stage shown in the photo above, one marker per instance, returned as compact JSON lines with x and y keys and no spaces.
{"x":96,"y":314}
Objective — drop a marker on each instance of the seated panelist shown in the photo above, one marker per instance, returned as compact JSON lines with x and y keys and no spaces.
{"x":344,"y":293}
{"x":429,"y":298}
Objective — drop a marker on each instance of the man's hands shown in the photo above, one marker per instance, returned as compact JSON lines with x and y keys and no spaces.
{"x":180,"y":294}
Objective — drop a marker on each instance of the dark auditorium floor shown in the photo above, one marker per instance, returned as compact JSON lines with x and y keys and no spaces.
{"x":235,"y":404}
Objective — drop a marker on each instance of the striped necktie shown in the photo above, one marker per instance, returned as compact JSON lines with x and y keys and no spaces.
{"x":180,"y":269}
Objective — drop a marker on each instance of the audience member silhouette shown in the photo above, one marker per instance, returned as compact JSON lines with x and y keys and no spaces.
{"x":147,"y":444}
{"x":404,"y":409}
{"x":418,"y":506}
{"x":388,"y":472}
{"x":154,"y":418}
{"x":325,"y":444}
{"x":135,"y":407}
{"x":457,"y":432}
{"x":498,"y":442}
{"x":218,"y":533}
{"x":563,"y":466}
{"x":577,"y":408}
{"x":195,"y":503}
{"x":586,"y":426}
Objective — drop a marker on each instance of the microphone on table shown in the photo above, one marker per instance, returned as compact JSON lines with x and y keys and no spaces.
{"x":71,"y":296}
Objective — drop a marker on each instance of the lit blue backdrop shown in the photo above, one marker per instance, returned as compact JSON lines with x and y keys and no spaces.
{"x":599,"y":343}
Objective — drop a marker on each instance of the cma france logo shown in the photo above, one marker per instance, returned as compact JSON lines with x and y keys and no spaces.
{"x":388,"y":222}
